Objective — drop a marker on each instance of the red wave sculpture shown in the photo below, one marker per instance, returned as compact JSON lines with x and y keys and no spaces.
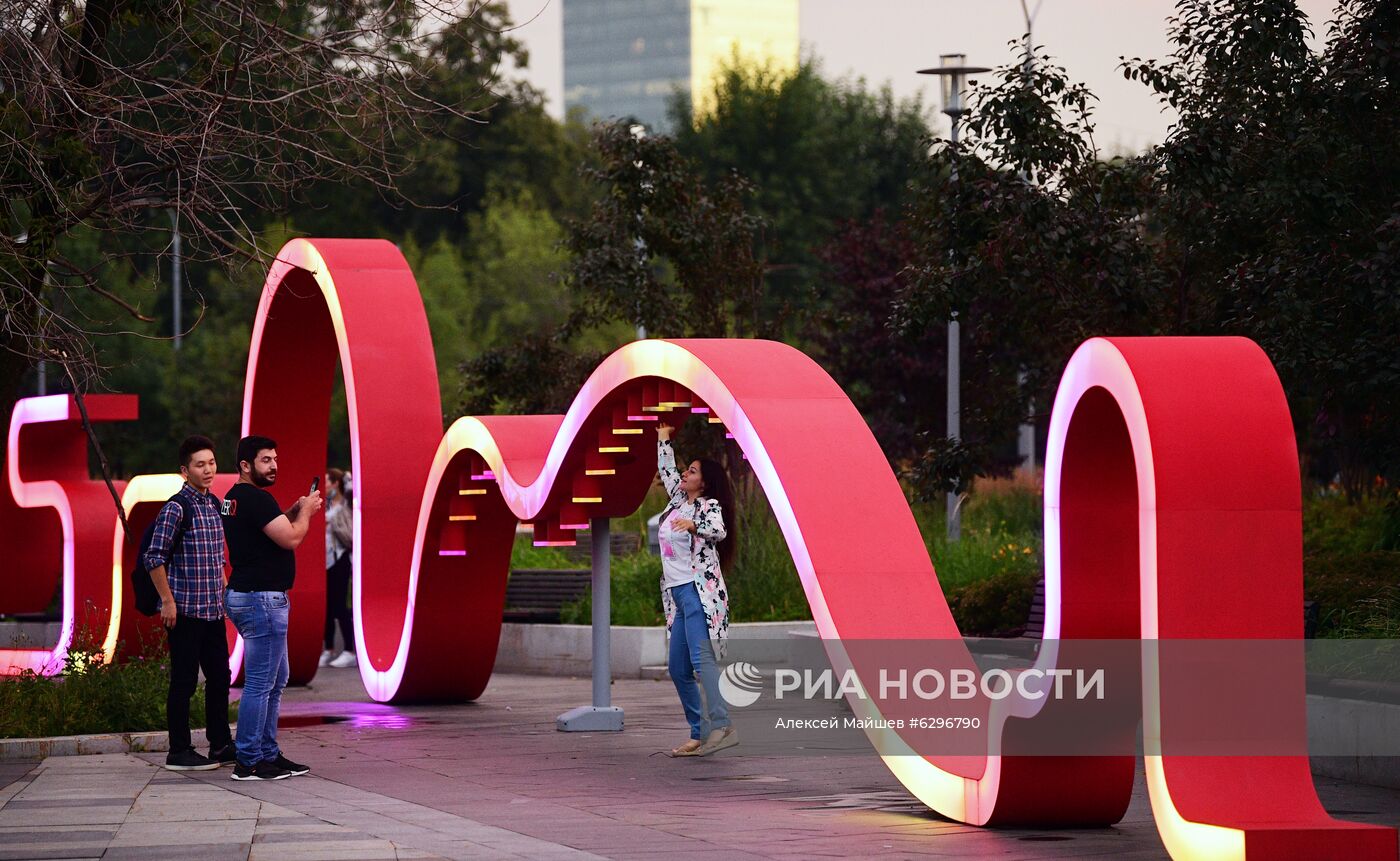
{"x":1172,"y":512}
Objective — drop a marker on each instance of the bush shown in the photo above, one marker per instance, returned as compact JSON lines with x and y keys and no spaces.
{"x":996,"y":606}
{"x":1333,"y":526}
{"x":89,"y":696}
{"x":1350,"y":589}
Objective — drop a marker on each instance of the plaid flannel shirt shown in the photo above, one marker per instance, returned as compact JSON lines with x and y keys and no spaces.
{"x":195,"y":570}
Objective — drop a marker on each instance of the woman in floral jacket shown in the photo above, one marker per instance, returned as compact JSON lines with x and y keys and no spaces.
{"x":693,"y":543}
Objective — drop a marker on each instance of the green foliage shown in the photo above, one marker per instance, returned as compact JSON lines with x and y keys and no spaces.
{"x":1350,"y":567}
{"x":1351,"y":591}
{"x":662,"y":247}
{"x":1279,"y":177}
{"x":524,"y":554}
{"x":995,"y":606}
{"x":1034,"y":245}
{"x":516,"y":257}
{"x":819,"y":154}
{"x":897,"y":382}
{"x":88,"y":696}
{"x":1334,"y":526}
{"x":1375,"y":617}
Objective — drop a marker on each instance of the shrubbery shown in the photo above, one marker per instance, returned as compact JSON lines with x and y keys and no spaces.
{"x":88,"y":696}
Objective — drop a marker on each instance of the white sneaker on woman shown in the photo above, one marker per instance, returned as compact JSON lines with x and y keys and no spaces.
{"x":345,"y":659}
{"x":326,"y":658}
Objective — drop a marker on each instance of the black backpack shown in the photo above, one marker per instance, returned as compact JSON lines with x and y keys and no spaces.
{"x":142,"y":588}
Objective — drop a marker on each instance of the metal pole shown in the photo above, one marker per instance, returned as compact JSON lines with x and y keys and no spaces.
{"x":602,"y":715}
{"x":176,"y":272}
{"x":602,"y":613}
{"x":954,"y":416}
{"x":1026,"y":441}
{"x":43,"y":365}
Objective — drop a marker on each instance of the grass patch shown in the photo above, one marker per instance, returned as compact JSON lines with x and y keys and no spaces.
{"x":88,"y":696}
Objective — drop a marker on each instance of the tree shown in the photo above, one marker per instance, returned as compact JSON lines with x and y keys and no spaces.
{"x":662,"y":248}
{"x":897,"y":383}
{"x":499,"y":142}
{"x":818,"y":155}
{"x":1034,"y":244}
{"x":1278,"y":195}
{"x":516,"y":260}
{"x":115,"y":114}
{"x":1270,"y":211}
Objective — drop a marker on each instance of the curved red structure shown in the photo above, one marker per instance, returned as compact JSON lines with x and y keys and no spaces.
{"x":355,"y":301}
{"x":1136,"y":544}
{"x":1172,"y":513}
{"x":56,"y":526}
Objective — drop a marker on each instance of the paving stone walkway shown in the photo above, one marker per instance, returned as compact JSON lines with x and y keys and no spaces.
{"x":493,"y":779}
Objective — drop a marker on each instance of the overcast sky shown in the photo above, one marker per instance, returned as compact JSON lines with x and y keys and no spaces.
{"x":887,"y":40}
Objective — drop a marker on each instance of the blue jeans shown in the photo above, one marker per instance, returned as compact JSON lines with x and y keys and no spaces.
{"x":692,"y":656}
{"x":261,"y":620}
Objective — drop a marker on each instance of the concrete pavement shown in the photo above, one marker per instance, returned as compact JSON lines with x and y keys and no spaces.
{"x":493,"y":779}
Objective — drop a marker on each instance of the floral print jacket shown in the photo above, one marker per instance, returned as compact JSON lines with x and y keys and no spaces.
{"x":709,"y":531}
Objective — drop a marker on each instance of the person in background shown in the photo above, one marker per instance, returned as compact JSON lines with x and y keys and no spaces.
{"x":340,"y":536}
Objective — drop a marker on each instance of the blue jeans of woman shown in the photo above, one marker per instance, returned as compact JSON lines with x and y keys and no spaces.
{"x":692,"y":657}
{"x":261,"y":620}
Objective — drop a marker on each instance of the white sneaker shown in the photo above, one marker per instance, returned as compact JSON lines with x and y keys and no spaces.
{"x":345,"y":659}
{"x":326,"y":658}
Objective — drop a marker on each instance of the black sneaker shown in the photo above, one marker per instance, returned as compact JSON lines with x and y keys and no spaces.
{"x":265,"y":770}
{"x":226,"y":755}
{"x":189,"y":760}
{"x":295,"y":768}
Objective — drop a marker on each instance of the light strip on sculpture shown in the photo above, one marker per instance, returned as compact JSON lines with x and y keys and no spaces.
{"x":1097,"y":363}
{"x":42,"y":494}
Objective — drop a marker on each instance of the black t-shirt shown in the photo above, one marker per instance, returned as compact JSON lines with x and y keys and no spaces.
{"x":259,"y":564}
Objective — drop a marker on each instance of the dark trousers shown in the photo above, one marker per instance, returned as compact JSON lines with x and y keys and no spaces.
{"x":337,"y":603}
{"x":198,"y":644}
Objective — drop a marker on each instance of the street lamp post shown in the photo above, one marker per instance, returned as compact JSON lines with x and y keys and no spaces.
{"x":952,"y":72}
{"x":1025,"y":441}
{"x":177,"y":275}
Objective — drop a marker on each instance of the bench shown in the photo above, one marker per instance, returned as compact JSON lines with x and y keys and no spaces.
{"x":538,"y":594}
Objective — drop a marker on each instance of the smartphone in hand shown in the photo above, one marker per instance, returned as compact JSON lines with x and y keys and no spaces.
{"x":315,"y":484}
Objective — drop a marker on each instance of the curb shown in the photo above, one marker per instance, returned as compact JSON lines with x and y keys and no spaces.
{"x":156,"y":741}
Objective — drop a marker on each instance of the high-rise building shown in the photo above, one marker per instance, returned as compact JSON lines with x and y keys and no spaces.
{"x":629,"y":57}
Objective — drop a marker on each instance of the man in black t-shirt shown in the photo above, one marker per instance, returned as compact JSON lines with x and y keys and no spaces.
{"x":262,"y":540}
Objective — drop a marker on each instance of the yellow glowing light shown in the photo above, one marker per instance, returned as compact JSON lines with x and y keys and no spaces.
{"x":613,"y":449}
{"x":723,"y":31}
{"x":588,"y":499}
{"x":141,"y":488}
{"x":600,"y":472}
{"x":472,"y":491}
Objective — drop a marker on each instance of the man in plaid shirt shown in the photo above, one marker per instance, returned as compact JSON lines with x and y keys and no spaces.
{"x":186,"y":561}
